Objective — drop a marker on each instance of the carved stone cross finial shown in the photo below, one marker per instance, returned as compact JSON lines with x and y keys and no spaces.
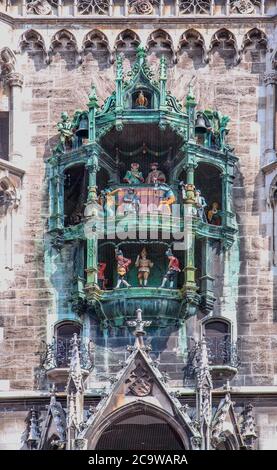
{"x":139,"y":332}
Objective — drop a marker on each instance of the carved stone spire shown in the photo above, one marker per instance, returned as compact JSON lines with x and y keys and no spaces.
{"x":248,"y":427}
{"x":204,"y":387}
{"x":33,"y":435}
{"x":75,"y":393}
{"x":139,"y":332}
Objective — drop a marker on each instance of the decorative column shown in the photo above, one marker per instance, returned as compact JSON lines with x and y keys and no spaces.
{"x":91,"y":209}
{"x":227,"y":213}
{"x":270,"y":118}
{"x":163,"y":79}
{"x":92,"y":107}
{"x":190,"y":107}
{"x":15,"y":81}
{"x":206,"y":280}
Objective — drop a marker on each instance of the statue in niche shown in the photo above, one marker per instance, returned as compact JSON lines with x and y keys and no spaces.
{"x":65,"y":128}
{"x":172,"y":270}
{"x":141,"y":101}
{"x":166,"y":200}
{"x":144,"y":265}
{"x":214,"y":214}
{"x":101,"y":275}
{"x":133,"y":176}
{"x":122,"y":269}
{"x":131,"y":202}
{"x":155,"y":176}
{"x":200,"y":204}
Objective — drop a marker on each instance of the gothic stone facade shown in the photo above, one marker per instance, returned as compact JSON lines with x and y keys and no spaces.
{"x":50,"y":56}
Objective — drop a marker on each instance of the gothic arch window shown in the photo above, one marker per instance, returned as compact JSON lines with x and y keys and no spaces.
{"x":64,"y":41}
{"x":64,"y":332}
{"x":217,"y":333}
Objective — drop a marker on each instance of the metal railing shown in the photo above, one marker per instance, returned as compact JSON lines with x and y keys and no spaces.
{"x":57,"y":354}
{"x":222,"y":351}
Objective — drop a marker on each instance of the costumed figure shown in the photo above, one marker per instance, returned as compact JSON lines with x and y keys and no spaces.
{"x":188,"y":192}
{"x":66,"y":133}
{"x":214,"y":214}
{"x":122,"y":268}
{"x":107,"y":201}
{"x":141,"y":100}
{"x":155,"y":175}
{"x":172,"y":270}
{"x":131,"y":202}
{"x":200,"y":206}
{"x":143,"y":264}
{"x":167,"y":199}
{"x":133,"y":176}
{"x":101,"y":275}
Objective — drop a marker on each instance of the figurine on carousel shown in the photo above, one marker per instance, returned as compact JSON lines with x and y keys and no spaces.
{"x":214,"y":214}
{"x":144,"y":265}
{"x":200,"y":203}
{"x":155,"y":176}
{"x":141,"y":100}
{"x":107,"y":201}
{"x":172,"y":270}
{"x":166,"y":200}
{"x":122,"y":269}
{"x":101,"y":275}
{"x":131,"y":202}
{"x":133,"y":176}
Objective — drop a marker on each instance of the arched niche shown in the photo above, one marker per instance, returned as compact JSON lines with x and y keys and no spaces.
{"x":218,"y":335}
{"x":139,"y":426}
{"x":75,"y":194}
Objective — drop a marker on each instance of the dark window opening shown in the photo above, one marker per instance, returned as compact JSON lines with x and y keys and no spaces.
{"x":4,"y":135}
{"x":64,"y":335}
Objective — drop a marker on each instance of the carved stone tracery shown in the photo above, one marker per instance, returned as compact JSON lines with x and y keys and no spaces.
{"x":93,"y":7}
{"x":195,"y":7}
{"x":40,"y":7}
{"x":140,"y":382}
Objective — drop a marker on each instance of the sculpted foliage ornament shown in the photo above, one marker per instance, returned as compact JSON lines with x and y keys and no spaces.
{"x":41,"y":7}
{"x":244,"y":6}
{"x":142,"y":7}
{"x":93,"y":7}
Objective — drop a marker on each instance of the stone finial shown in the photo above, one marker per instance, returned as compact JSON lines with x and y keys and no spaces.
{"x":201,"y":365}
{"x":139,"y":332}
{"x":163,"y":68}
{"x":33,"y":435}
{"x":75,"y":371}
{"x":248,"y":427}
{"x":92,"y":99}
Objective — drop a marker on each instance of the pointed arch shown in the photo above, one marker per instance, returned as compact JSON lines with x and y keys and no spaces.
{"x":63,"y":40}
{"x":225,"y":43}
{"x":95,"y":40}
{"x":192,"y":40}
{"x":253,"y":38}
{"x":31,"y":40}
{"x":160,"y":39}
{"x":136,"y":409}
{"x":127,"y":40}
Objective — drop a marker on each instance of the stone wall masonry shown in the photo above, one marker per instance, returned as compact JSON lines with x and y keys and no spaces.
{"x":236,"y":90}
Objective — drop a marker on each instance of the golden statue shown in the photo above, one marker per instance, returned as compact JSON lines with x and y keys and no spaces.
{"x":141,"y":100}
